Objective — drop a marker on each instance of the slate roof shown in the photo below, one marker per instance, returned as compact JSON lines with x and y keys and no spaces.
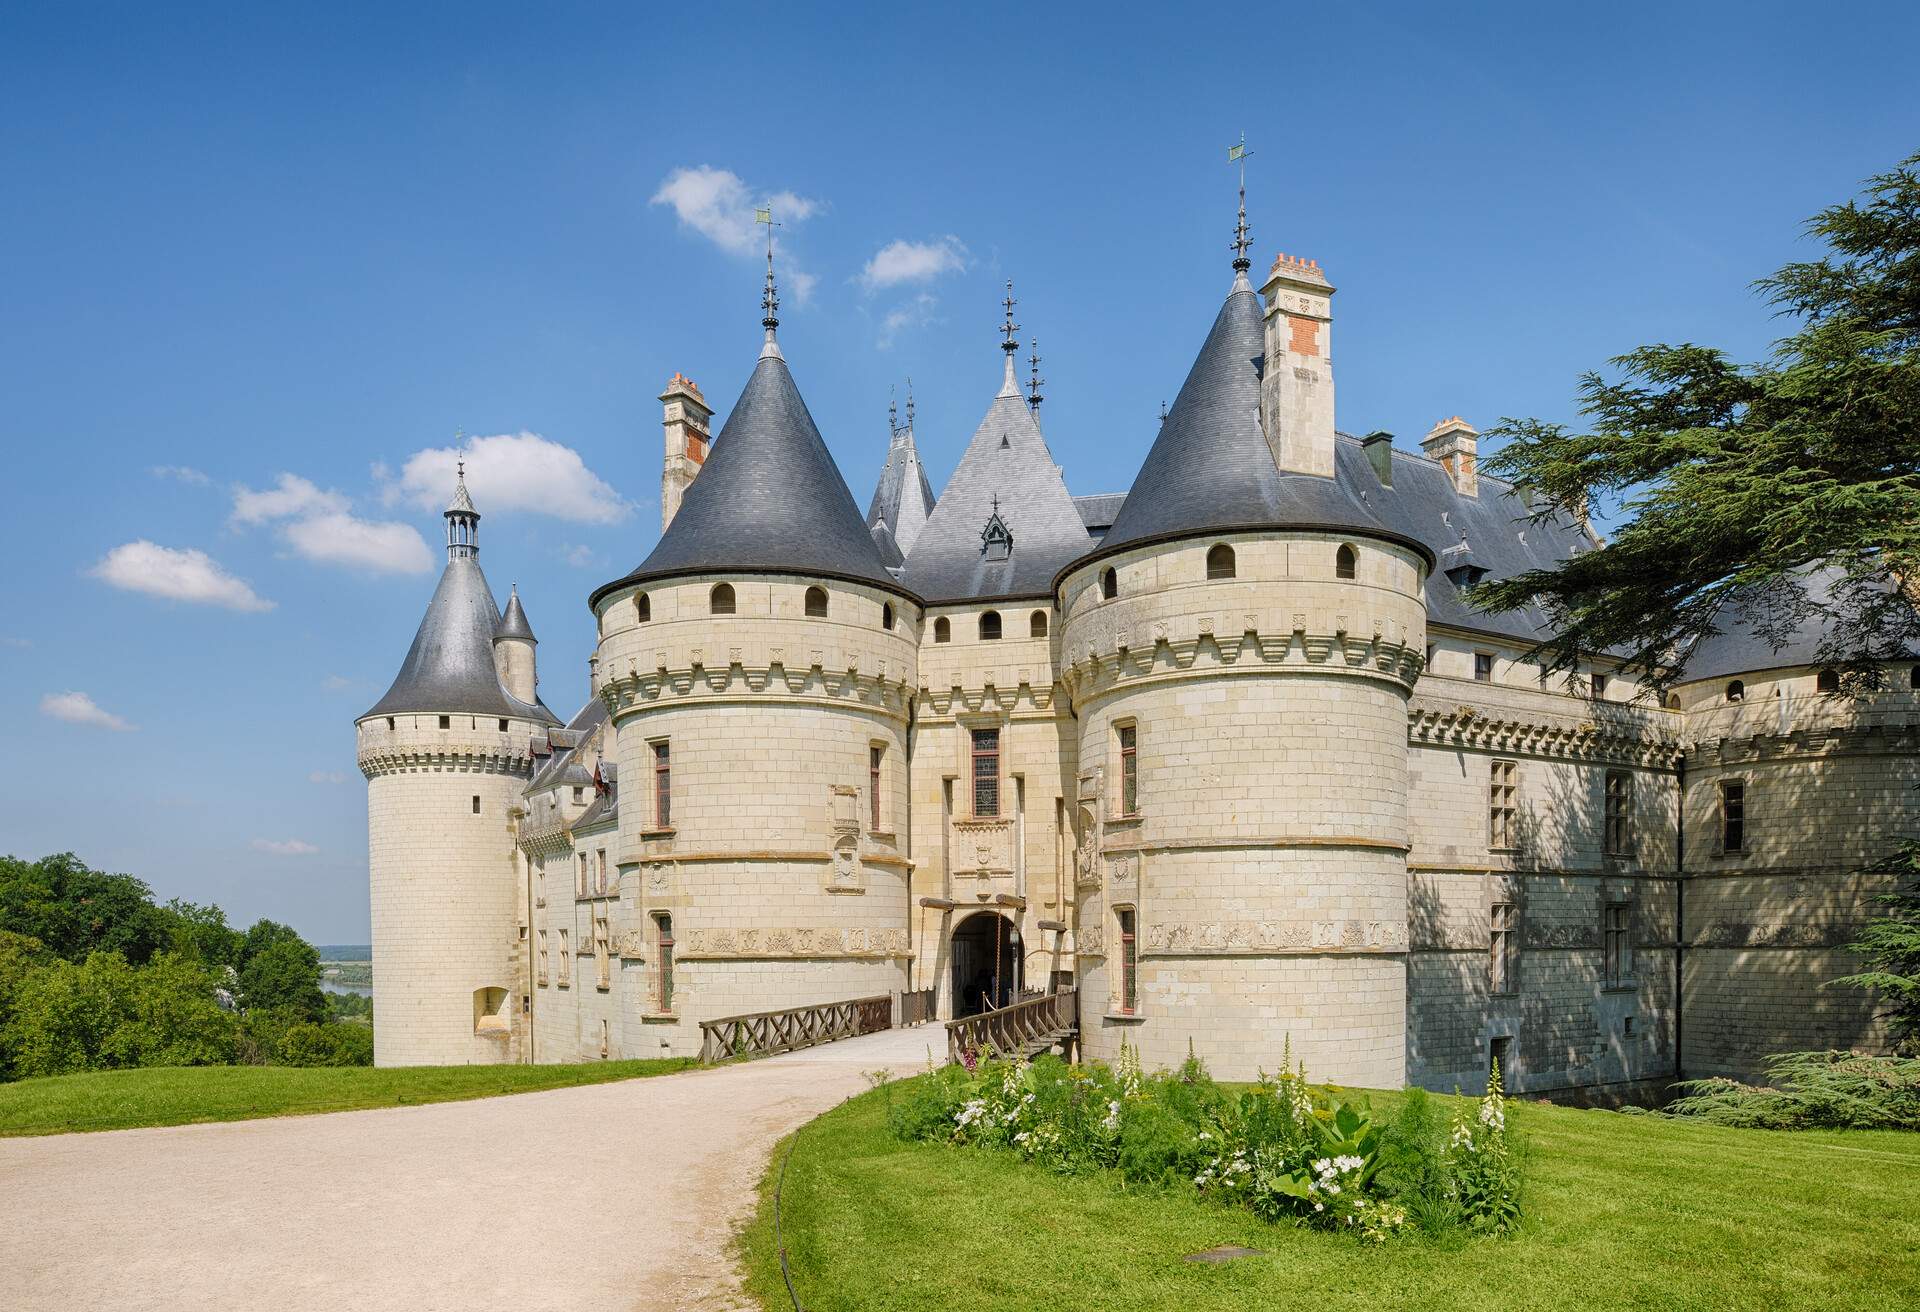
{"x":1741,"y":648}
{"x":769,"y":498}
{"x":1008,"y":459}
{"x":1210,"y":469}
{"x":903,"y":498}
{"x":449,"y":668}
{"x":565,"y":768}
{"x":514,"y":624}
{"x":1098,"y":510}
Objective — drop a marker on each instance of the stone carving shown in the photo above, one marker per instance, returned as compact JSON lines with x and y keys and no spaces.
{"x":1089,"y":941}
{"x":794,"y":942}
{"x":1248,"y":937}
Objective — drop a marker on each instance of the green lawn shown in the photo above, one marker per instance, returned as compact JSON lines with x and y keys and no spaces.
{"x":176,"y":1095}
{"x":1622,"y":1212}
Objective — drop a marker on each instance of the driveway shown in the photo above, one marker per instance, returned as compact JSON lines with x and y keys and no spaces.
{"x":609,"y":1196}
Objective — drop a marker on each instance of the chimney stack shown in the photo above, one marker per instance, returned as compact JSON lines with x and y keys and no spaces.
{"x":1456,"y":444}
{"x":1296,"y":387}
{"x":687,"y":440}
{"x":1378,"y":446}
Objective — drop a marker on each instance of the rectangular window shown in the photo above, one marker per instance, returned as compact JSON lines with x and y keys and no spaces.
{"x":1129,"y":962}
{"x":446,"y":722}
{"x":476,"y":804}
{"x":1129,"y":772}
{"x":566,"y":961}
{"x":662,"y":786}
{"x":1503,"y":973}
{"x":543,"y":959}
{"x":1599,"y":687}
{"x":600,"y":865}
{"x":1483,"y":666}
{"x":873,"y":788}
{"x":663,"y":954}
{"x":580,"y":880}
{"x":1619,"y":813}
{"x":503,"y":726}
{"x":1619,"y":952}
{"x":1501,"y":786}
{"x":1733,"y":815}
{"x":579,"y":794}
{"x":986,"y":773}
{"x":602,"y":946}
{"x":1428,"y":666}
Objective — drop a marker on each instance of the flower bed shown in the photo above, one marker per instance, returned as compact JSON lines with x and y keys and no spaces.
{"x":1281,"y":1148}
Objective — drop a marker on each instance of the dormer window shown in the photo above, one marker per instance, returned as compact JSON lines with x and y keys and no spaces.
{"x":1736,"y":691}
{"x":996,"y":539}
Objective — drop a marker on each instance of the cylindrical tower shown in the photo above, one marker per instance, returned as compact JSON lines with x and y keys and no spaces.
{"x":1240,"y":651}
{"x":446,"y":753}
{"x":758,"y":667}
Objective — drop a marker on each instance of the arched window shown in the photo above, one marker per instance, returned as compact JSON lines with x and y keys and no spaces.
{"x":1344,"y":562}
{"x":1913,"y":677}
{"x":1828,"y":681}
{"x":722,"y":599}
{"x":1037,"y":625}
{"x":817,"y":603}
{"x":1220,"y":562}
{"x":942,"y":631}
{"x":1673,"y":701}
{"x":1736,"y":691}
{"x":1109,"y":585}
{"x":990,"y":626}
{"x":642,"y":608}
{"x":886,"y":617}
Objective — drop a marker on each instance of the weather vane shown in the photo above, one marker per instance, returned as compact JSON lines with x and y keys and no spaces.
{"x":1010,"y":328}
{"x":1034,"y":379}
{"x":769,"y":299}
{"x":1242,"y":241}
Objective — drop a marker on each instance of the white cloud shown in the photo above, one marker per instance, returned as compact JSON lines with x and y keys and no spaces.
{"x":718,"y":204}
{"x":284,"y":847}
{"x":508,"y":471}
{"x":176,"y":574}
{"x":294,"y":497}
{"x":18,"y":644}
{"x":916,"y":313}
{"x":913,"y":261}
{"x":336,"y":683}
{"x":579,"y":557}
{"x":181,"y":474}
{"x":326,"y":777}
{"x":78,"y":708}
{"x":382,"y":547}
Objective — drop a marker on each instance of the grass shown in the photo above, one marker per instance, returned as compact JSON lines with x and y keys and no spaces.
{"x":1622,"y":1212}
{"x":179,"y":1095}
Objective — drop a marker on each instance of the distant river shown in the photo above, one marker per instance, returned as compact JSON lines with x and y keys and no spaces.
{"x":334,"y":986}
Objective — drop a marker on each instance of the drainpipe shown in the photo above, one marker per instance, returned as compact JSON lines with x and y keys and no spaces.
{"x":1679,"y":913}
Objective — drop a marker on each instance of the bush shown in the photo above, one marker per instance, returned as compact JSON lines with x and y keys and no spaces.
{"x":108,"y":1015}
{"x":1813,"y":1090}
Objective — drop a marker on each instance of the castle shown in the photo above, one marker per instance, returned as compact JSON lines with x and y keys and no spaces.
{"x":1231,"y":755}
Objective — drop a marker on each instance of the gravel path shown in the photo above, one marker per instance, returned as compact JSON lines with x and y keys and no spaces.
{"x":607,"y":1196}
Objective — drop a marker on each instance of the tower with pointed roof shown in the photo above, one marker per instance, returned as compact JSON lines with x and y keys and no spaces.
{"x":903,"y":498}
{"x":446,"y":753}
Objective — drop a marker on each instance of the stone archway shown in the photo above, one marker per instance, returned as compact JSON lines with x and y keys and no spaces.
{"x":986,"y":955}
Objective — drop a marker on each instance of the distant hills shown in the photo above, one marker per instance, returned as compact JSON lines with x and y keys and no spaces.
{"x":345,"y":951}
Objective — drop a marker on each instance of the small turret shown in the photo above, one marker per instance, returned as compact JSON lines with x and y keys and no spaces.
{"x":463,"y":521}
{"x":513,"y":651}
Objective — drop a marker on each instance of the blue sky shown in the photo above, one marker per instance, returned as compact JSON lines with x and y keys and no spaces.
{"x":261,"y":263}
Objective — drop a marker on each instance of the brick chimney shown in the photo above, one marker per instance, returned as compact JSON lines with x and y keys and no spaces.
{"x":1296,"y":389}
{"x":1456,"y":444}
{"x":687,"y":440}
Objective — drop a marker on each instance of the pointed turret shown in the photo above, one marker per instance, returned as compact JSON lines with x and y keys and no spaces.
{"x":513,"y":651}
{"x":903,"y":498}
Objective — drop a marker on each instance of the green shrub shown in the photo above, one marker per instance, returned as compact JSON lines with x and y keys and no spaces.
{"x":335,"y":1044}
{"x":1813,"y":1090}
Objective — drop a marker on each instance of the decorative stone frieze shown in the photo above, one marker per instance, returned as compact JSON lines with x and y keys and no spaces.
{"x":1617,"y":736}
{"x":1267,"y":937}
{"x":789,"y":942}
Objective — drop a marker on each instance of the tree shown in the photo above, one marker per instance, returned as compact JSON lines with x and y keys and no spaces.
{"x":1891,"y":945}
{"x":284,"y":973}
{"x":105,"y":1014}
{"x":20,"y":956}
{"x":202,"y":933}
{"x":77,"y":911}
{"x":1740,"y":479}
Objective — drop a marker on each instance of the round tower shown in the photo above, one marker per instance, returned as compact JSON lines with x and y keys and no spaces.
{"x":758,"y":667}
{"x":1240,"y":650}
{"x":513,"y":651}
{"x":446,"y":753}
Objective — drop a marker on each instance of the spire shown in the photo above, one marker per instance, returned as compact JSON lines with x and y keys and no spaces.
{"x":909,"y":405}
{"x":1242,"y":235}
{"x":1010,"y":343}
{"x":1034,"y":381}
{"x":770,"y":298}
{"x":463,"y":521}
{"x":513,"y":624}
{"x":893,"y":418}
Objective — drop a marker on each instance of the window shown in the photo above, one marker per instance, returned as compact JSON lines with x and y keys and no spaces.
{"x":1619,"y":813}
{"x":446,"y":722}
{"x":721,"y":599}
{"x":600,"y":868}
{"x":503,"y":726}
{"x":1673,"y":701}
{"x":1037,"y":624}
{"x":476,"y":804}
{"x":566,"y":961}
{"x":1828,"y":681}
{"x":642,"y":608}
{"x":886,"y":617}
{"x":1503,"y":965}
{"x":942,"y":630}
{"x":1220,"y":562}
{"x":663,"y":959}
{"x":990,"y":626}
{"x":1599,"y":686}
{"x":1129,"y":771}
{"x":1619,"y":951}
{"x":580,"y":880}
{"x":874,"y":755}
{"x":662,"y":786}
{"x":1129,"y":1000}
{"x":986,"y":773}
{"x":1913,"y":681}
{"x":1500,"y":794}
{"x":1345,"y":562}
{"x":1736,"y":691}
{"x":1109,"y":585}
{"x":817,"y":603}
{"x":605,"y":1039}
{"x":1733,"y":815}
{"x":602,"y":948}
{"x":579,"y":794}
{"x":1431,"y":650}
{"x":542,"y":981}
{"x":390,"y":718}
{"x":1500,"y":1058}
{"x":1483,"y":666}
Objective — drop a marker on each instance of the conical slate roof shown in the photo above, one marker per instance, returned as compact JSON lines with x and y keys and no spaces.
{"x":903,"y":498}
{"x":514,"y":624}
{"x":1009,"y":461}
{"x":449,"y":669}
{"x":769,"y":498}
{"x":1210,"y":469}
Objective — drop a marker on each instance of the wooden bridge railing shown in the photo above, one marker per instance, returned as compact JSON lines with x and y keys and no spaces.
{"x":916,"y":1008}
{"x":769,"y":1032}
{"x":1028,"y":1026}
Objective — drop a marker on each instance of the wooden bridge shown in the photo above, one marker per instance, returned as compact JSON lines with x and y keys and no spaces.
{"x":1026,"y":1027}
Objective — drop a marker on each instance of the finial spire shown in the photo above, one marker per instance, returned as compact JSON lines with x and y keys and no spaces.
{"x":1010,"y":330}
{"x":770,"y":298}
{"x":1034,"y":379}
{"x":893,"y":414}
{"x":1242,"y":235}
{"x":909,"y":403}
{"x":463,"y":521}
